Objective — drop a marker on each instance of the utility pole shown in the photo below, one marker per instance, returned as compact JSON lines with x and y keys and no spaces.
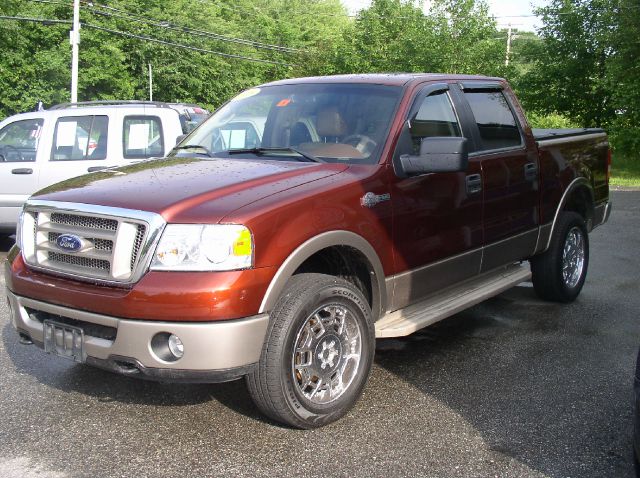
{"x":506,"y":60}
{"x":75,"y":41}
{"x":150,"y":83}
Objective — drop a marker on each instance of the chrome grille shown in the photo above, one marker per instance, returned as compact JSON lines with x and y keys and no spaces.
{"x":79,"y":261}
{"x":84,"y":221}
{"x":111,"y":244}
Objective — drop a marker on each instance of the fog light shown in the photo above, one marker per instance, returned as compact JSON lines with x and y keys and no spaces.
{"x":175,"y":346}
{"x":167,"y":347}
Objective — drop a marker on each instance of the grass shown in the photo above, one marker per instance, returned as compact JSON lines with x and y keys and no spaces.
{"x":625,"y":171}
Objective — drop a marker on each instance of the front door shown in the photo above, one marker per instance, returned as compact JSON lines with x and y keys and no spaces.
{"x":437,"y":217}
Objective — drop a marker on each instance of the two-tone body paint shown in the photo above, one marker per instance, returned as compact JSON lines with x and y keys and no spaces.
{"x":424,"y":224}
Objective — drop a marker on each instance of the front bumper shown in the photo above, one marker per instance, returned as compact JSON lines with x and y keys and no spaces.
{"x":213,"y":351}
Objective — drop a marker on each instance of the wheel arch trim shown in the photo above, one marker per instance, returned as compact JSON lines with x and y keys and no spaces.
{"x":318,"y":243}
{"x":574,"y":185}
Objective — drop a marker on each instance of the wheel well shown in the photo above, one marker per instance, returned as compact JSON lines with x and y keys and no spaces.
{"x":345,"y":262}
{"x":581,"y":202}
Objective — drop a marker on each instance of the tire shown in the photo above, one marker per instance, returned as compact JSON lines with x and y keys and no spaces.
{"x":320,"y":336}
{"x":559,"y":273}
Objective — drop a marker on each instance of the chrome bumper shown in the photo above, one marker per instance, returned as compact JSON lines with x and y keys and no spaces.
{"x":213,"y":351}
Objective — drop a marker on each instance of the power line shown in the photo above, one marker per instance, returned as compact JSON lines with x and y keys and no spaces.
{"x":186,"y":47}
{"x":44,"y":21}
{"x":93,"y":8}
{"x":185,"y":29}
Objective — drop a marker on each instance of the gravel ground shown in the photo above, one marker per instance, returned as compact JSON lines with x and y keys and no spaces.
{"x":511,"y":387}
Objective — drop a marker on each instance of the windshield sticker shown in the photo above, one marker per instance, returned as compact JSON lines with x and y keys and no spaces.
{"x":284,"y":102}
{"x":246,"y":94}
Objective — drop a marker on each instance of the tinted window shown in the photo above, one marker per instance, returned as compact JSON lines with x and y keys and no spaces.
{"x":497,"y":125}
{"x":434,"y":118}
{"x":142,"y":137}
{"x":333,"y":121}
{"x":80,"y":137}
{"x":19,"y":140}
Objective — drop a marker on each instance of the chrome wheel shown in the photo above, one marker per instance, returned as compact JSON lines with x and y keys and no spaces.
{"x":327,"y":353}
{"x":573,"y":256}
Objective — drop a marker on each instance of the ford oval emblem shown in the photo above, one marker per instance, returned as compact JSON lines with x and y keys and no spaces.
{"x":69,"y":242}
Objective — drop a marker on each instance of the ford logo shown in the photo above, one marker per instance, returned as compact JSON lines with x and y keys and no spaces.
{"x":69,"y":243}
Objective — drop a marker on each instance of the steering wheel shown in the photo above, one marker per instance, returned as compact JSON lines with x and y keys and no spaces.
{"x":4,"y":152}
{"x":362,"y":143}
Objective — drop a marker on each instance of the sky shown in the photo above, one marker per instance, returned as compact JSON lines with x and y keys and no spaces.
{"x":505,"y":11}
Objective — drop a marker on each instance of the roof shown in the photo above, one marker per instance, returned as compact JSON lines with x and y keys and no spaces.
{"x":392,"y":79}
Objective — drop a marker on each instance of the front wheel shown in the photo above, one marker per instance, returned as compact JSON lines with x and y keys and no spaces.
{"x":317,"y":353}
{"x":559,"y":273}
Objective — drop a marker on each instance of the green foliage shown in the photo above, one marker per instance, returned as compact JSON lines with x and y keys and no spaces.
{"x":625,"y":171}
{"x":550,"y":121}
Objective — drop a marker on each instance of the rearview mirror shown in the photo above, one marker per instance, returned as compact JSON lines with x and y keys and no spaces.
{"x":437,"y":155}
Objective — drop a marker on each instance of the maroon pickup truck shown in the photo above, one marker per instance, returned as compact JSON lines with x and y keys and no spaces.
{"x":304,"y":219}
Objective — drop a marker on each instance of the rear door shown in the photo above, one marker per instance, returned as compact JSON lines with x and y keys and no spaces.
{"x":509,"y":171}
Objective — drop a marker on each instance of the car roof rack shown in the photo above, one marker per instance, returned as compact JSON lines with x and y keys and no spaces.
{"x":158,"y":104}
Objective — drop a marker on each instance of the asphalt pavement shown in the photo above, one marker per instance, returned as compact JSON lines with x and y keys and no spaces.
{"x":514,"y":387}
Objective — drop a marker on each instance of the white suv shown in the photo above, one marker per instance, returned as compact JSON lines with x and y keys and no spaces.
{"x":41,"y":148}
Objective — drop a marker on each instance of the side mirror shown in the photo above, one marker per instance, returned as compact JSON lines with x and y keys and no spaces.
{"x":180,"y":138}
{"x":437,"y":155}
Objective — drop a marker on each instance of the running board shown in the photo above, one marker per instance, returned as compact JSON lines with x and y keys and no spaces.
{"x":451,"y":301}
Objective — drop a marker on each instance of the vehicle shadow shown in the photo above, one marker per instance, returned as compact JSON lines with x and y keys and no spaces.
{"x":514,"y":368}
{"x":105,"y":386}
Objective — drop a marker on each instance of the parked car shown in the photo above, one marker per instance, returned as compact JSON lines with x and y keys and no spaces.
{"x":372,"y":206}
{"x":44,"y":147}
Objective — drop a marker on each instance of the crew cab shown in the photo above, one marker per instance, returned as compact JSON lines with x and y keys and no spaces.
{"x":41,"y":148}
{"x":302,"y":220}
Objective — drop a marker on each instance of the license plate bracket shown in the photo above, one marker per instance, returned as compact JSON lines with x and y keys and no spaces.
{"x":64,"y":341}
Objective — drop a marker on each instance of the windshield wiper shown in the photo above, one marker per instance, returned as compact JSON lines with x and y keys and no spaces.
{"x":194,"y":146}
{"x":262,"y":151}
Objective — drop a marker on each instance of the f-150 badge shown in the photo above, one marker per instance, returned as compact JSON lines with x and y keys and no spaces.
{"x":370,"y":199}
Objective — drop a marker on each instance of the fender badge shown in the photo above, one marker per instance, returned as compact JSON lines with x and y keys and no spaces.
{"x":370,"y":199}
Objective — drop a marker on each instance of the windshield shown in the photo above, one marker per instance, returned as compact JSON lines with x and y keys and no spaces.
{"x":331,"y":122}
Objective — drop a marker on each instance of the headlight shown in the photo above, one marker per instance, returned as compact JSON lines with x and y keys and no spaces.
{"x":195,"y":247}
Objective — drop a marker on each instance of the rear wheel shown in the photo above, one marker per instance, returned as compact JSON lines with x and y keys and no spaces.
{"x":559,"y":273}
{"x":317,"y":354}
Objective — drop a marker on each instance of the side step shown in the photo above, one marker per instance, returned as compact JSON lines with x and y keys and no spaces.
{"x":451,"y":301}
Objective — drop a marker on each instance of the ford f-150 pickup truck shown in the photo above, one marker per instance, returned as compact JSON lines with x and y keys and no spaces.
{"x":304,"y":219}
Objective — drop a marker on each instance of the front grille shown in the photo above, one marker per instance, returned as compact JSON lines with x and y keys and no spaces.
{"x":79,"y":261}
{"x":84,"y":221}
{"x":104,"y":246}
{"x":89,"y":328}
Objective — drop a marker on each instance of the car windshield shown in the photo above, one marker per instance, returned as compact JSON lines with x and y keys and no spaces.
{"x":331,"y":122}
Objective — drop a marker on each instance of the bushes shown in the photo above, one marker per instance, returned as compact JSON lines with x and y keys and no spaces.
{"x":550,"y":121}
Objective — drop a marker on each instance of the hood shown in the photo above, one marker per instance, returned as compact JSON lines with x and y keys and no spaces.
{"x":189,"y":190}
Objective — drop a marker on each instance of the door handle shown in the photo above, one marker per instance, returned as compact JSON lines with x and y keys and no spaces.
{"x":474,"y":183}
{"x":531,"y":171}
{"x":96,"y":168}
{"x":22,"y":171}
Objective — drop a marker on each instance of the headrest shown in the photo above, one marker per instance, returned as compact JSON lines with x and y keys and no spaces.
{"x":330,"y":123}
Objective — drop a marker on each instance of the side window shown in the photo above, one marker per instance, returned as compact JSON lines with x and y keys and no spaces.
{"x":435,"y":117}
{"x":496,"y":123}
{"x":19,"y":140}
{"x":142,"y":137}
{"x":80,"y":138}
